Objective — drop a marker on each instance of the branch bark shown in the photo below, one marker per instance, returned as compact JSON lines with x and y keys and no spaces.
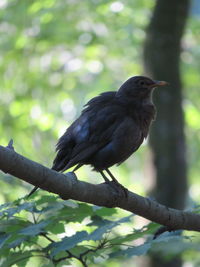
{"x":67,"y":186}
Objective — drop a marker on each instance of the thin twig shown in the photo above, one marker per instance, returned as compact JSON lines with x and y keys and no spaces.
{"x":48,"y":238}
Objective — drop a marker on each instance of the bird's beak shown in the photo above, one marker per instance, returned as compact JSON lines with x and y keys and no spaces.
{"x":159,"y":83}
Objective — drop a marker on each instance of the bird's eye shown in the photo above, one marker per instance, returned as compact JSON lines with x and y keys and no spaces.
{"x":142,"y":83}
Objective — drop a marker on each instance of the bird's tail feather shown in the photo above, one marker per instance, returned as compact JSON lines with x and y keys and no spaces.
{"x":32,"y":191}
{"x":55,"y":167}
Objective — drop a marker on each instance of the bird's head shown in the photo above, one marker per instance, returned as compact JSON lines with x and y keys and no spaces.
{"x":139,"y":87}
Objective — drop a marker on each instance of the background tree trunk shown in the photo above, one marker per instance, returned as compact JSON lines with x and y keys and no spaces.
{"x":161,"y":59}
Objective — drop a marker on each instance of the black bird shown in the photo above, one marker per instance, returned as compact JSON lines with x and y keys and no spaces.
{"x":110,"y":128}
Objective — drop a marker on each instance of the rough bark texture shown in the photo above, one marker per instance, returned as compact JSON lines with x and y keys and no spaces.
{"x":67,"y":186}
{"x":161,"y":58}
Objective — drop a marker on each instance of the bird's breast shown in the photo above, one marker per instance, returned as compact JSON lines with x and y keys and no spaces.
{"x":124,"y":141}
{"x":143,"y":115}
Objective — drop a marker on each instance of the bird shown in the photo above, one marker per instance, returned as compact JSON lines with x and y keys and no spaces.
{"x":111,"y":127}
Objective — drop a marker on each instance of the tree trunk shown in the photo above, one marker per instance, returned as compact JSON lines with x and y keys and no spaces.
{"x":161,"y":59}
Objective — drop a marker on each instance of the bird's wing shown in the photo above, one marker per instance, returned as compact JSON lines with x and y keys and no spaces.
{"x":113,"y":137}
{"x":91,"y":132}
{"x":100,"y":124}
{"x":75,"y":142}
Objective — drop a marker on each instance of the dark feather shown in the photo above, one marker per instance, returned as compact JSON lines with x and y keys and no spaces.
{"x":111,"y":127}
{"x":108,"y":131}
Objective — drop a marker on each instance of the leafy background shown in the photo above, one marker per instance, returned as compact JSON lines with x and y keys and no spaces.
{"x":55,"y":56}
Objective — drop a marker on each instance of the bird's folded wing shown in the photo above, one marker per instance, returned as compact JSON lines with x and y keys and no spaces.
{"x":91,"y":132}
{"x":98,"y":125}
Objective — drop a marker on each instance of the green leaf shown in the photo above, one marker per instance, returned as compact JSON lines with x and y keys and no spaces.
{"x":75,"y":214}
{"x":68,"y":242}
{"x":134,"y":251}
{"x":11,"y":211}
{"x":173,"y":245}
{"x":123,"y":239}
{"x":102,"y":211}
{"x":46,"y":200}
{"x":139,"y":250}
{"x":12,"y":224}
{"x":50,"y":264}
{"x":34,"y":229}
{"x":18,"y":241}
{"x":138,"y":233}
{"x":57,"y":228}
{"x":5,"y":205}
{"x":3,"y":238}
{"x":98,"y":221}
{"x":80,"y":213}
{"x":78,"y":249}
{"x":105,"y":227}
{"x":18,"y":258}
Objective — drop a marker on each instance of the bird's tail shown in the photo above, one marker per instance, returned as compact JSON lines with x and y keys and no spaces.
{"x":53,"y":168}
{"x":32,"y":191}
{"x":36,"y":188}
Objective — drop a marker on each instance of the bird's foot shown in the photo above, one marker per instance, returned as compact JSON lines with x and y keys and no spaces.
{"x":119,"y":188}
{"x":72,"y":176}
{"x":122,"y":188}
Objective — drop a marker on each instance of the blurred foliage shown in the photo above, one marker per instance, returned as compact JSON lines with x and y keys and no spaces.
{"x":59,"y":233}
{"x":56,"y":55}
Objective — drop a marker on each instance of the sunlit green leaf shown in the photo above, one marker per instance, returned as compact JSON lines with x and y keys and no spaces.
{"x":68,"y":242}
{"x":34,"y":229}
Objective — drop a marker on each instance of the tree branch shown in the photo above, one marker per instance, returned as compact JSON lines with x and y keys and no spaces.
{"x":68,"y":187}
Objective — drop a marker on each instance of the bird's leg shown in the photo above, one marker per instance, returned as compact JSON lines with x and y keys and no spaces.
{"x":111,"y":176}
{"x":77,"y":167}
{"x":72,"y":173}
{"x":115,"y":189}
{"x":125,"y":190}
{"x":104,"y":177}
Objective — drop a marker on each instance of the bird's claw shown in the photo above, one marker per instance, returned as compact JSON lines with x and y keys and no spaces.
{"x":119,"y":189}
{"x":72,"y":176}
